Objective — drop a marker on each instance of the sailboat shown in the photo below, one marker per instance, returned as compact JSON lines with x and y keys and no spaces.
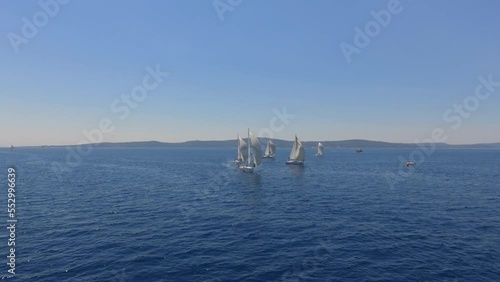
{"x":242,"y":151}
{"x":254,"y":159}
{"x":298,"y":153}
{"x":11,"y":147}
{"x":320,"y":150}
{"x":270,"y":150}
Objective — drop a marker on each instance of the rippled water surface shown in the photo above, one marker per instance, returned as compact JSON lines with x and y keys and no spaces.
{"x":143,"y":214}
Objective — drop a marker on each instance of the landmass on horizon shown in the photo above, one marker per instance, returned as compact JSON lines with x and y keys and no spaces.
{"x":354,"y":143}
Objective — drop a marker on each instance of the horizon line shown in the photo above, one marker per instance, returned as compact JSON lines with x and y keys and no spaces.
{"x":227,"y":140}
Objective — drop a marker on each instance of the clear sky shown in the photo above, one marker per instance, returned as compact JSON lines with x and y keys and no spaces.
{"x":227,"y":75}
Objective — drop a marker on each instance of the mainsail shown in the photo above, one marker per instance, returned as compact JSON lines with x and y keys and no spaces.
{"x":257,"y":150}
{"x":298,"y":152}
{"x":270,"y":149}
{"x":242,"y":149}
{"x":320,"y":149}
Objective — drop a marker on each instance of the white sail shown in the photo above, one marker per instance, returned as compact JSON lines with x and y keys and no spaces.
{"x":242,"y":150}
{"x":257,"y":150}
{"x":270,"y":149}
{"x":302,"y":153}
{"x":239,"y":149}
{"x":293,"y":152}
{"x":298,"y":152}
{"x":320,"y":149}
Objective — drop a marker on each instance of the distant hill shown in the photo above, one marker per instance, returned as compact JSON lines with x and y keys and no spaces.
{"x":356,"y":143}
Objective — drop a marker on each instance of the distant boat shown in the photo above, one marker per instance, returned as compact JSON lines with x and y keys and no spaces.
{"x":254,"y":159}
{"x":270,"y":150}
{"x":298,"y":153}
{"x":410,"y":163}
{"x":11,"y":148}
{"x":242,"y":151}
{"x":359,"y":150}
{"x":320,"y":150}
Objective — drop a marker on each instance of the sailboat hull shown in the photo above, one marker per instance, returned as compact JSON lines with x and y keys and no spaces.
{"x":246,"y":169}
{"x":268,"y":157}
{"x":293,"y":162}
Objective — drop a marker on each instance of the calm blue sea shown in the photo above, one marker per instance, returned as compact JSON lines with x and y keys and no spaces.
{"x":144,"y":214}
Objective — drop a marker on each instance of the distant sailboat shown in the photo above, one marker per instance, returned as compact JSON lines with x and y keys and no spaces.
{"x":242,"y":151}
{"x":320,"y":150}
{"x":298,"y":153}
{"x":359,"y":150}
{"x":254,"y":159}
{"x":11,"y":148}
{"x":270,"y":150}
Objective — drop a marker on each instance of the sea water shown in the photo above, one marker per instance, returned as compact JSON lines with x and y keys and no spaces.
{"x":171,"y":214}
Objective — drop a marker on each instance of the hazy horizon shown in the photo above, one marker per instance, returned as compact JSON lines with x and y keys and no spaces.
{"x":222,"y":140}
{"x":243,"y":68}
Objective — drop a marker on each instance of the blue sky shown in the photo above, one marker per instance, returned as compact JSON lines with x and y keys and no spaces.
{"x":225,"y":76}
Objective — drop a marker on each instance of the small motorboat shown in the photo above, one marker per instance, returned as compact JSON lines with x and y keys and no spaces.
{"x":410,"y":163}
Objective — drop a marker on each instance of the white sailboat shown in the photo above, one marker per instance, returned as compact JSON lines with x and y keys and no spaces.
{"x":320,"y":150}
{"x":254,"y":160}
{"x":270,"y":150}
{"x":242,"y":151}
{"x":298,"y":153}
